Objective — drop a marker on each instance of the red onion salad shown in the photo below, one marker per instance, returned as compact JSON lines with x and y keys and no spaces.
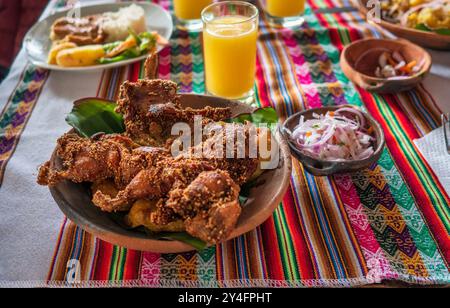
{"x":341,"y":135}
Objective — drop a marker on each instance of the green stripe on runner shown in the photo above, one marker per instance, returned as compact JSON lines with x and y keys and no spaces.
{"x":324,"y":39}
{"x":112,"y":267}
{"x":413,"y":219}
{"x":438,"y":200}
{"x":257,"y":98}
{"x":198,"y":75}
{"x":122,"y":265}
{"x":285,"y":244}
{"x":291,"y":250}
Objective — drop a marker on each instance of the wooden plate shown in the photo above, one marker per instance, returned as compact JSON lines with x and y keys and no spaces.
{"x":423,"y":38}
{"x":75,"y":202}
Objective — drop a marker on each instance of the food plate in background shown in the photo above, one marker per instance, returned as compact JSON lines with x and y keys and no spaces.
{"x":38,"y":43}
{"x":423,"y":38}
{"x":74,"y":200}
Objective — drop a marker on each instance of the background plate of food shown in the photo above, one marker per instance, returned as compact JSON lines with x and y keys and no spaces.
{"x":424,"y":22}
{"x":102,"y":36}
{"x":114,"y":175}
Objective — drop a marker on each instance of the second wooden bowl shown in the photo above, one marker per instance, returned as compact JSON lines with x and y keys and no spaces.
{"x":320,"y":167}
{"x":359,"y":61}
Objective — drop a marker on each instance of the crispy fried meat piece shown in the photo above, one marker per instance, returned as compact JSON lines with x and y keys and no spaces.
{"x":236,"y":159}
{"x":162,"y":117}
{"x":86,"y":160}
{"x":135,"y":99}
{"x":153,"y":183}
{"x":81,"y":31}
{"x":176,"y":173}
{"x":152,"y":107}
{"x":209,"y":205}
{"x":151,"y":66}
{"x":99,"y":158}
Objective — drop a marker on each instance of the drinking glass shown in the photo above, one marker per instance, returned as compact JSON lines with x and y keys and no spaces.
{"x":188,"y":13}
{"x":286,"y":13}
{"x":230,"y":33}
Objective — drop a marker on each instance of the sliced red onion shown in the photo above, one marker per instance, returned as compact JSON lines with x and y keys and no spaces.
{"x":334,"y":137}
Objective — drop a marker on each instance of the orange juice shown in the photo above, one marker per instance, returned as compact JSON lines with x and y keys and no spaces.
{"x":190,"y":9}
{"x":285,"y":8}
{"x":230,"y":56}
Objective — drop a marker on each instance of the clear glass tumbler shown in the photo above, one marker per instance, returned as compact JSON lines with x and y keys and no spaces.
{"x":188,"y":13}
{"x":285,"y":13}
{"x":230,"y":36}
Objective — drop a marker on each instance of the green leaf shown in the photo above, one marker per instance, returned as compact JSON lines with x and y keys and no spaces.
{"x":442,"y":31}
{"x":184,"y":237}
{"x":110,"y":46}
{"x":90,"y":116}
{"x":259,"y":116}
{"x":146,"y":41}
{"x":424,"y":27}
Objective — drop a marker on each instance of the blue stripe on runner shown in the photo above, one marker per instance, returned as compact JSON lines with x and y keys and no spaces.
{"x":326,"y":230}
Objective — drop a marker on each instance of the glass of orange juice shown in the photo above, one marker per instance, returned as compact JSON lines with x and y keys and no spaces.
{"x":230,"y":33}
{"x":287,"y":13}
{"x":188,"y":13}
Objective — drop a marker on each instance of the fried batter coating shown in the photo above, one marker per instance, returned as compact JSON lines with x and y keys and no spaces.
{"x":235,"y":140}
{"x":152,"y":107}
{"x":153,"y":183}
{"x":135,"y":99}
{"x":151,"y":66}
{"x":99,"y":158}
{"x":136,"y":172}
{"x":209,"y":205}
{"x":86,"y":160}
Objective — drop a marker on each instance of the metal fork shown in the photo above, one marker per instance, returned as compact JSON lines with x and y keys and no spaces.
{"x":446,"y":128}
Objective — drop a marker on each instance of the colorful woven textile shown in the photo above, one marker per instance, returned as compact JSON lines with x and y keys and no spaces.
{"x":388,"y":222}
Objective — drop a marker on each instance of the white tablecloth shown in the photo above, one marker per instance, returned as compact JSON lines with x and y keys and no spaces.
{"x":30,"y":219}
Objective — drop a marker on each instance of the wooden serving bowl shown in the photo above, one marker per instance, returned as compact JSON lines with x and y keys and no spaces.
{"x":359,"y":61}
{"x":319,"y":167}
{"x":74,"y":200}
{"x":423,"y":38}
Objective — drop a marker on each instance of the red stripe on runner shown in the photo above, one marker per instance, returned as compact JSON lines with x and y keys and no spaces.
{"x":103,"y":262}
{"x":416,"y":187}
{"x":302,"y":254}
{"x":272,"y":251}
{"x":262,"y":84}
{"x":132,"y":265}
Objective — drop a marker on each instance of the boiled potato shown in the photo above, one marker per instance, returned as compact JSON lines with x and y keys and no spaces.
{"x":107,"y":187}
{"x":140,"y":214}
{"x":80,"y":56}
{"x":56,"y":48}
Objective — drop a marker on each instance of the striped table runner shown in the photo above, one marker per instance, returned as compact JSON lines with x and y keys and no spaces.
{"x":387,"y":222}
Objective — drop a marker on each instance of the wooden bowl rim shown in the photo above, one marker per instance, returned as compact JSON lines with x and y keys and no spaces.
{"x":322,"y":110}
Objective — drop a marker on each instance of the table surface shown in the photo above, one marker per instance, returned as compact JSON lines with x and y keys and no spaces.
{"x":384,"y":225}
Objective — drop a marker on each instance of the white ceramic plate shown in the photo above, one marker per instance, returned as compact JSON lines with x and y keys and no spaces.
{"x":37,"y":41}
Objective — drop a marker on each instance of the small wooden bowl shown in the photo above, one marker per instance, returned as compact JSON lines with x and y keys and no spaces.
{"x":319,"y":167}
{"x":423,"y":38}
{"x":74,"y":200}
{"x":359,"y":61}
